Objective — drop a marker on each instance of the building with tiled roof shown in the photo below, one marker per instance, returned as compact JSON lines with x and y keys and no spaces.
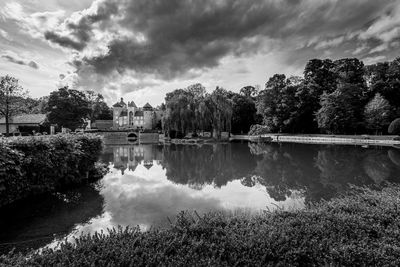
{"x":130,"y":116}
{"x":22,"y":120}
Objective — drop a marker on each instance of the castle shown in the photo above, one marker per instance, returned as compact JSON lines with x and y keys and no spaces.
{"x":129,"y":116}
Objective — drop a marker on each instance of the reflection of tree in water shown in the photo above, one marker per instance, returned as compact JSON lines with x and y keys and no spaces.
{"x":320,"y":171}
{"x":284,"y":168}
{"x":394,"y":155}
{"x":215,"y":164}
{"x":39,"y":220}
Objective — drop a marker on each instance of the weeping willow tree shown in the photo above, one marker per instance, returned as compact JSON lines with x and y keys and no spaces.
{"x":218,"y":111}
{"x":182,"y":109}
{"x":192,"y":109}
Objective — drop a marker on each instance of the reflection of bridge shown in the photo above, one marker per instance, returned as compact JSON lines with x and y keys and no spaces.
{"x":123,"y":137}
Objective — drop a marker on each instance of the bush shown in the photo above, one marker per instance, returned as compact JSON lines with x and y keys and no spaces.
{"x":394,"y":127}
{"x":361,"y":229}
{"x":258,"y":129}
{"x":39,"y":164}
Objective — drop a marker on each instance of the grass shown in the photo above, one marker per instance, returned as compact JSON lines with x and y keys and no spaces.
{"x":361,"y":228}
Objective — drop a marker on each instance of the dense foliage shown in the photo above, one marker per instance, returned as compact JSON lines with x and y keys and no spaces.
{"x":71,"y":108}
{"x":337,"y":97}
{"x":39,"y":164}
{"x":258,"y":129}
{"x":360,"y":229}
{"x":342,"y":97}
{"x":11,"y":98}
{"x":394,"y":127}
{"x":67,"y":108}
{"x":194,"y":110}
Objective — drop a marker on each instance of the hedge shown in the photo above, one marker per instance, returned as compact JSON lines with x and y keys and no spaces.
{"x":394,"y":127}
{"x":360,"y":229}
{"x":38,"y":164}
{"x":258,"y":129}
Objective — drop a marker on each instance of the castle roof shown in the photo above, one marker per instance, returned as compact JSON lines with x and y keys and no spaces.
{"x":147,"y":106}
{"x":123,"y":113}
{"x":132,"y":104}
{"x":120,"y":104}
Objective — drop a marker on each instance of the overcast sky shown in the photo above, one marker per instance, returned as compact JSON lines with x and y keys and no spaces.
{"x":141,"y":49}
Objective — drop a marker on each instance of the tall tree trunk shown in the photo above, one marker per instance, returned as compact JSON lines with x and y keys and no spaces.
{"x":7,"y":126}
{"x":7,"y":120}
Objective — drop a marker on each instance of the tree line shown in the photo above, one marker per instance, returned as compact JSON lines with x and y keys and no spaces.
{"x":63,"y":107}
{"x":334,"y":96}
{"x":194,"y":110}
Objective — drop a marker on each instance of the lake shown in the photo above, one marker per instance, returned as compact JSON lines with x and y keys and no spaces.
{"x":147,"y":185}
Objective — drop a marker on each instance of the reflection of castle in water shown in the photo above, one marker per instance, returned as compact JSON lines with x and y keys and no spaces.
{"x":129,"y":157}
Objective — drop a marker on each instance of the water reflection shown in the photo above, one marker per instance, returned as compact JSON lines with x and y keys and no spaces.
{"x":147,"y":184}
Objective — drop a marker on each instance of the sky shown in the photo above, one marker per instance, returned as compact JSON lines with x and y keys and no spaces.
{"x":142,"y":49}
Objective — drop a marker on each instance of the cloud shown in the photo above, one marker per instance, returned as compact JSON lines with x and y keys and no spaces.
{"x":5,"y":35}
{"x":34,"y":24}
{"x":330,"y":43}
{"x":12,"y":57}
{"x":178,"y":39}
{"x":373,"y":60}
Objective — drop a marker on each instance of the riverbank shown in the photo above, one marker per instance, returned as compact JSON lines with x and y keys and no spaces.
{"x":378,"y":140}
{"x":38,"y":164}
{"x":361,"y":228}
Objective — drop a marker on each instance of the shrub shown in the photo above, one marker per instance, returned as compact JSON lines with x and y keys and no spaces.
{"x":361,"y":229}
{"x":394,"y":127}
{"x":41,"y":164}
{"x":258,"y":129}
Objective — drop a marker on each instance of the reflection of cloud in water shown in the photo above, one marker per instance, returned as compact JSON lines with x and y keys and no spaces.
{"x":147,"y":198}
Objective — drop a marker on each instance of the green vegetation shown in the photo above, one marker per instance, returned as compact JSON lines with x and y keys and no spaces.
{"x":11,"y":98}
{"x":64,"y":107}
{"x":192,"y":109}
{"x":334,"y":97}
{"x":34,"y":165}
{"x":69,"y":108}
{"x":361,"y":228}
{"x":394,"y":127}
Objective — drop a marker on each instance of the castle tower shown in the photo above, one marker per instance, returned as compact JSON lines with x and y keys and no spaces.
{"x":120,"y":116}
{"x":148,"y":116}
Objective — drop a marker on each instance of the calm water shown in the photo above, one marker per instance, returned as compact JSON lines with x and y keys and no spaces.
{"x":147,"y":184}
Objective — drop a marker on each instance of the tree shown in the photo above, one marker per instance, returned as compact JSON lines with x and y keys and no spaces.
{"x":11,"y":98}
{"x":321,"y":74}
{"x":249,"y":91}
{"x":349,"y":70}
{"x":278,"y":104}
{"x":68,"y":108}
{"x":99,"y":110}
{"x":377,"y":113}
{"x":244,"y":112}
{"x":221,"y":107}
{"x":336,"y":114}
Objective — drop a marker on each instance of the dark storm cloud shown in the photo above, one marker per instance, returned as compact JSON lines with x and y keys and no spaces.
{"x":18,"y":61}
{"x":170,"y":38}
{"x":64,"y":41}
{"x":76,"y":34}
